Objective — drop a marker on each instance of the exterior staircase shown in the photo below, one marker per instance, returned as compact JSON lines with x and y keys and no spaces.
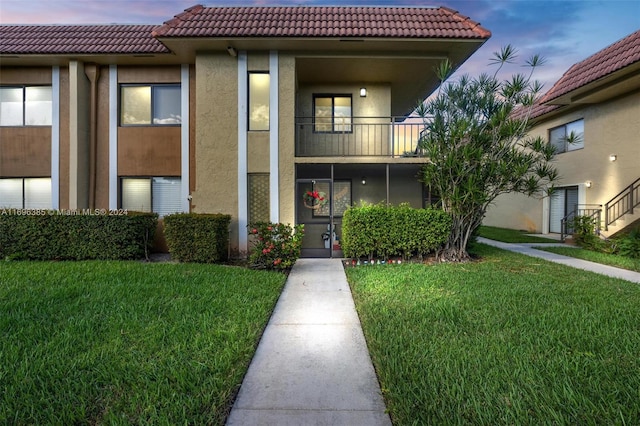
{"x":622,"y":211}
{"x":618,"y":214}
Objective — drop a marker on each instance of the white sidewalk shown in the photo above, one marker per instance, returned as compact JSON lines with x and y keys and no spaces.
{"x":565,"y":260}
{"x":312,"y":366}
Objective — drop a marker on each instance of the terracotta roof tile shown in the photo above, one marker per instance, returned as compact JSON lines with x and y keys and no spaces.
{"x":393,"y":22}
{"x":613,"y":58}
{"x":79,"y":39}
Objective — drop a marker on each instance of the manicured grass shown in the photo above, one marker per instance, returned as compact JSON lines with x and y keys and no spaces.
{"x":506,"y":340}
{"x":593,"y":256}
{"x":127,"y":342}
{"x":511,"y":235}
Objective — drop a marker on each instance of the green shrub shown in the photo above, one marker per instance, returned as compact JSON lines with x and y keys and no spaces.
{"x":380,"y":231}
{"x":49,"y":235}
{"x":584,"y":232}
{"x":629,"y":245}
{"x":275,"y":245}
{"x":195,"y":237}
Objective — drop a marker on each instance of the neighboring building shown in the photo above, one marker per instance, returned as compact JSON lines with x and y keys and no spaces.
{"x":238,"y":110}
{"x":598,"y":98}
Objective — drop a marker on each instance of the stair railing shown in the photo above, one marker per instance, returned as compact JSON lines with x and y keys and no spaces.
{"x":594,"y":211}
{"x":623,"y":203}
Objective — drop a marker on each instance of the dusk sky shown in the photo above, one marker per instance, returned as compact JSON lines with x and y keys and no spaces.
{"x":562,"y":31}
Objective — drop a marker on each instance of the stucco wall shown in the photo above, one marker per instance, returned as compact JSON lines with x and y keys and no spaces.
{"x":216,"y":143}
{"x":286,"y":149}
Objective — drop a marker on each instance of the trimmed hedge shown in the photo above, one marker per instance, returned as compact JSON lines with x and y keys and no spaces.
{"x":378,"y":231}
{"x":48,"y":235}
{"x":195,"y":237}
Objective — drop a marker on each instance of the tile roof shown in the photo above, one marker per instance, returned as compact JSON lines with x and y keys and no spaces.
{"x":610,"y":59}
{"x":377,"y":22}
{"x":79,"y":39}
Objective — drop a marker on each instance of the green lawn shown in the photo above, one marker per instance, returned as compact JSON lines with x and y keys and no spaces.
{"x":593,"y":256}
{"x":127,"y":342}
{"x":511,"y":235}
{"x":506,"y":340}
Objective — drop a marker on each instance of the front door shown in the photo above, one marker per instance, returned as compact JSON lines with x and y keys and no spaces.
{"x":314,"y":210}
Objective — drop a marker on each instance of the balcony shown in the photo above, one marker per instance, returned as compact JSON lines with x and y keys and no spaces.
{"x":359,"y":137}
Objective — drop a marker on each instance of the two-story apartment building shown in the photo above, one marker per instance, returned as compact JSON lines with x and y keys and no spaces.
{"x":239,"y":110}
{"x":597,"y":99}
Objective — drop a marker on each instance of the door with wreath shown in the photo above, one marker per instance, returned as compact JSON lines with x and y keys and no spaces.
{"x":320,"y":206}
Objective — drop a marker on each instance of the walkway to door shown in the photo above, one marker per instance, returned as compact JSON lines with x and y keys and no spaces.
{"x":312,"y":366}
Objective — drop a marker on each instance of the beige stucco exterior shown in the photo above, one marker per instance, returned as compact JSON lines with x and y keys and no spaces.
{"x":610,"y":127}
{"x":216,"y":166}
{"x":286,"y":133}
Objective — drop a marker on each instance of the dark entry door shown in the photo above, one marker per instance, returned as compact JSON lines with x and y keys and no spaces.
{"x":314,"y":209}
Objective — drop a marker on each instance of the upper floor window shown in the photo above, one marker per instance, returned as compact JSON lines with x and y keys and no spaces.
{"x":160,"y":195}
{"x":26,"y":106}
{"x":568,"y":137}
{"x":332,"y":113}
{"x":150,"y":105}
{"x":25,"y":193}
{"x":259,"y":93}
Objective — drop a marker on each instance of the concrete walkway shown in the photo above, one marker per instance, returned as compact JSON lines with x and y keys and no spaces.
{"x":312,"y":366}
{"x":528,"y":250}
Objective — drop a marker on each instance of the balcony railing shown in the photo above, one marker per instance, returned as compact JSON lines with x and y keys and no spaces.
{"x":358,"y":136}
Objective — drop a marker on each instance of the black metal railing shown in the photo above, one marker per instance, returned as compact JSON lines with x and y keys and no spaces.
{"x":594,"y":211}
{"x":623,"y":203}
{"x":358,"y":136}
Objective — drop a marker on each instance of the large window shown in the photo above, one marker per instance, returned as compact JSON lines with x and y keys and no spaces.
{"x":150,"y":105}
{"x":25,"y":193}
{"x":26,"y":106}
{"x":568,"y":137}
{"x":332,"y":113}
{"x":259,"y":94}
{"x":160,"y":195}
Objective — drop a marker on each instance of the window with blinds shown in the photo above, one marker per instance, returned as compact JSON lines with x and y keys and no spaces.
{"x":25,"y":193}
{"x":160,"y":195}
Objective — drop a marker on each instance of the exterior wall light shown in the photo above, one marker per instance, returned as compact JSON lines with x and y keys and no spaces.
{"x":588,"y":183}
{"x":364,"y":180}
{"x":613,"y":157}
{"x":232,"y":51}
{"x":363,"y":92}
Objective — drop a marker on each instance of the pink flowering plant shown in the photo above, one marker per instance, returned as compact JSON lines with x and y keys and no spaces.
{"x":276,"y":246}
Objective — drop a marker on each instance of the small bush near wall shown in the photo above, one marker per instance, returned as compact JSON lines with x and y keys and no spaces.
{"x":194,"y":237}
{"x":78,"y":235}
{"x":275,"y":245}
{"x":378,"y":231}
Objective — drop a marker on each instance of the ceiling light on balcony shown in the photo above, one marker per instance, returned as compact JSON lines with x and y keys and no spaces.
{"x":364,"y":180}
